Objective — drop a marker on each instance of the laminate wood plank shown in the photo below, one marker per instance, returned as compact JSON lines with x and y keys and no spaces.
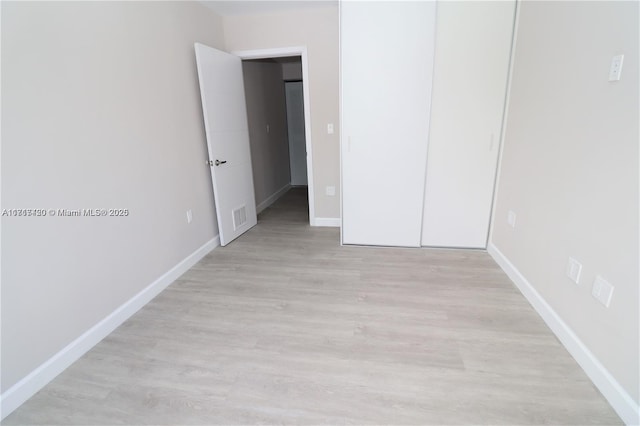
{"x":285,"y":326}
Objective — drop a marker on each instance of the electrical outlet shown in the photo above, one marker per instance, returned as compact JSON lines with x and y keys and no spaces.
{"x":189,"y":216}
{"x":602,"y":291}
{"x":511,"y":218}
{"x":330,"y":191}
{"x":574,"y":268}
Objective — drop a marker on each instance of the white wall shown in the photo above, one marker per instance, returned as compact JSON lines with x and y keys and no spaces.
{"x":317,"y":29}
{"x":473,"y":45}
{"x":264,"y":92}
{"x":569,"y":171}
{"x":100,"y":109}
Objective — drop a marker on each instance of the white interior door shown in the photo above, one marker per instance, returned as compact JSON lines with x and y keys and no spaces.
{"x":387,"y":51}
{"x":295,"y":130}
{"x":225,"y":122}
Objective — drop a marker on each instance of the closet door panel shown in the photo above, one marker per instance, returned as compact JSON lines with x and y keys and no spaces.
{"x":387,"y":51}
{"x":470,"y":81}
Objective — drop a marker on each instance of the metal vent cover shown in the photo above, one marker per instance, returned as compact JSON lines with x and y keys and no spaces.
{"x":239,"y":217}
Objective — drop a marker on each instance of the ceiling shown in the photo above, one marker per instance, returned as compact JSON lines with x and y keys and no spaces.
{"x":249,"y":7}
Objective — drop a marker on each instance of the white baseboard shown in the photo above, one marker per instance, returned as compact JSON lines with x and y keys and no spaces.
{"x":619,"y":399}
{"x":17,"y":394}
{"x":326,"y":221}
{"x":272,"y":198}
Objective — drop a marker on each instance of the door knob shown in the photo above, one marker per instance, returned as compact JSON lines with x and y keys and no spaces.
{"x":218,"y":162}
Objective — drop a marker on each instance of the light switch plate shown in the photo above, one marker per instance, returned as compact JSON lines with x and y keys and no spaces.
{"x":511,"y":218}
{"x":602,"y":291}
{"x":574,"y":269}
{"x":330,"y":128}
{"x":616,"y":68}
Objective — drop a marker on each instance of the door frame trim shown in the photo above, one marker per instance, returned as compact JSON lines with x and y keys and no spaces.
{"x":301,"y":51}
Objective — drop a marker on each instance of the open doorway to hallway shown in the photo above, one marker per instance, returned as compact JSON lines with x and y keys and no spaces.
{"x":276,"y":118}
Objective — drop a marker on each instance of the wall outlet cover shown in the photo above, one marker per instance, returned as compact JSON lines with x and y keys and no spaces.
{"x":602,"y":291}
{"x":574,"y":269}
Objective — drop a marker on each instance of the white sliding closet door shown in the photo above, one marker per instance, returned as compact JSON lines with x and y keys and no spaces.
{"x":387,"y":51}
{"x":469,"y":85}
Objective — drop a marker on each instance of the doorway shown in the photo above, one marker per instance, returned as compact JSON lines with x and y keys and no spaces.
{"x":279,"y":123}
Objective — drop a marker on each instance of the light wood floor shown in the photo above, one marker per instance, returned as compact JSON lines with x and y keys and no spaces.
{"x":285,"y":326}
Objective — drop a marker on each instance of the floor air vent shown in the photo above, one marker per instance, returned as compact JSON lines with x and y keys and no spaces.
{"x":239,"y":217}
